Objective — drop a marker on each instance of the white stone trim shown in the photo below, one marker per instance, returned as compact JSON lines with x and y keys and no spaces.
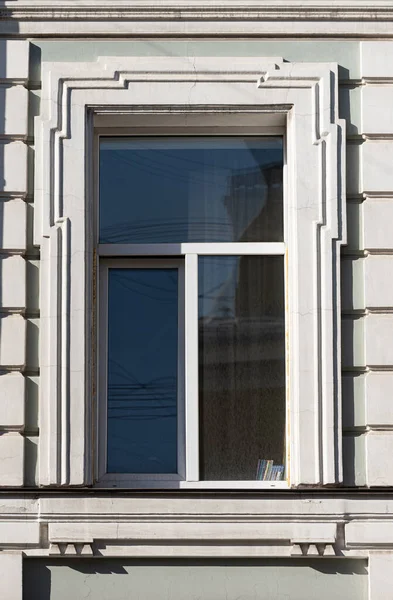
{"x":375,"y":60}
{"x":369,"y":534}
{"x":19,"y":533}
{"x":274,"y":18}
{"x":13,"y":167}
{"x":12,"y":401}
{"x":12,"y":452}
{"x":15,"y":60}
{"x":356,"y":526}
{"x":307,"y":93}
{"x":14,"y":225}
{"x":14,"y":100}
{"x":12,"y":341}
{"x":192,"y":539}
{"x":379,"y":471}
{"x":13,"y":282}
{"x":323,"y":533}
{"x":378,"y":403}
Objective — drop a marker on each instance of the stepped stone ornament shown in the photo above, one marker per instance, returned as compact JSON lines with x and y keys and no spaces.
{"x":76,"y":97}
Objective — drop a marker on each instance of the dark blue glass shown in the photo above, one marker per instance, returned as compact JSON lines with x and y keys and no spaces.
{"x":191,"y":189}
{"x":142,"y":370}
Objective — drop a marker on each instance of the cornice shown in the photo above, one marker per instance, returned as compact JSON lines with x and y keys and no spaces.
{"x":336,"y":18}
{"x":300,"y":493}
{"x":168,"y":11}
{"x":70,"y":524}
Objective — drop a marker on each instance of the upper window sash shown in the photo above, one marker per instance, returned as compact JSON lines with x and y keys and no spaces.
{"x":200,"y":189}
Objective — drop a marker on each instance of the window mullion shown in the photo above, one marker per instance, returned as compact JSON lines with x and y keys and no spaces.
{"x":191,"y":367}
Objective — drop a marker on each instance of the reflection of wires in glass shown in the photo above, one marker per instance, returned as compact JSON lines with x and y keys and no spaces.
{"x":147,"y":230}
{"x":157,"y":167}
{"x":143,"y":288}
{"x":153,"y":400}
{"x":141,"y":402}
{"x":124,"y":373}
{"x":242,"y":192}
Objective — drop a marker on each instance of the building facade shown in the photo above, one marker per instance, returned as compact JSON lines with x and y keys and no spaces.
{"x":196,"y":319}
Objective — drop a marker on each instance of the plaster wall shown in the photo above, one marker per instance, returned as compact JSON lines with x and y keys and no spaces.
{"x":184,"y":580}
{"x":353,"y":526}
{"x":367,"y":297}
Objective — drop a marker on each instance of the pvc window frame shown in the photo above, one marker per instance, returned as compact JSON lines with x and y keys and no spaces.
{"x":123,"y":255}
{"x":129,"y":479}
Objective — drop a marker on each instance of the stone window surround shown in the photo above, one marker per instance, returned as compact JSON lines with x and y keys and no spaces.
{"x":74,"y":97}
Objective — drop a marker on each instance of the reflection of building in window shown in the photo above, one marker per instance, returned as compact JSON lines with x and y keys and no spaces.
{"x":195,"y":194}
{"x":242,"y":366}
{"x":255,"y":203}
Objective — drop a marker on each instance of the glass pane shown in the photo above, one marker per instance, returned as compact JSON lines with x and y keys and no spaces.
{"x":200,"y":189}
{"x":142,"y":370}
{"x":242,"y":367}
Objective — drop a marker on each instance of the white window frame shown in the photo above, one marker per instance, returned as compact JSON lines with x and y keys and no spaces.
{"x":114,"y":92}
{"x":188,"y":410}
{"x":136,"y":479}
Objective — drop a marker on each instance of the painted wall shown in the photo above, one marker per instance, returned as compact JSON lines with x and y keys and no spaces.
{"x":349,"y":524}
{"x":364,"y":101}
{"x":187,"y":580}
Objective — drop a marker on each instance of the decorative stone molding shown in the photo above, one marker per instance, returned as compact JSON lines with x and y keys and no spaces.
{"x":121,"y":525}
{"x":305,"y":95}
{"x":369,"y":534}
{"x":313,"y":550}
{"x":15,"y":64}
{"x":78,"y":532}
{"x":12,"y":401}
{"x":68,"y":550}
{"x":204,"y":538}
{"x":85,"y":17}
{"x":19,"y":534}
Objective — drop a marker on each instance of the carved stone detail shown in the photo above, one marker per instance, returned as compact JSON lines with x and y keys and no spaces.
{"x":72,"y":93}
{"x":68,"y":550}
{"x":313,"y":550}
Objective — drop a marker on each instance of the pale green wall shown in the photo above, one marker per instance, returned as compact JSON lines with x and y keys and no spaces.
{"x":346,"y":54}
{"x":104,"y":579}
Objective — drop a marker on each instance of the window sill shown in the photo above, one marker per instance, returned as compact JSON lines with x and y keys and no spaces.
{"x":191,"y":485}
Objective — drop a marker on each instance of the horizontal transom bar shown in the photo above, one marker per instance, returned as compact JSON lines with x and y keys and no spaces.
{"x":227,"y":248}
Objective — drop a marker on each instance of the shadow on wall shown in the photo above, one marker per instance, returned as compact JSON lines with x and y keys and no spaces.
{"x":3,"y":75}
{"x":8,"y":27}
{"x":253,"y":579}
{"x":11,"y":132}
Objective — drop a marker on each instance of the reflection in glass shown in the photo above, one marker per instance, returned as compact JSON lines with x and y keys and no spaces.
{"x":241,"y":365}
{"x":199,"y":189}
{"x":142,"y":370}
